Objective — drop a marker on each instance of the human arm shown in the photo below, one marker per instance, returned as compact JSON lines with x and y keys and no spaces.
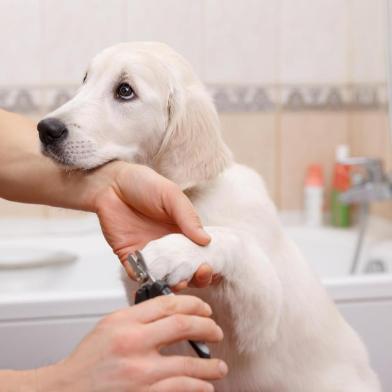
{"x":134,"y":204}
{"x":29,"y":177}
{"x":122,"y":353}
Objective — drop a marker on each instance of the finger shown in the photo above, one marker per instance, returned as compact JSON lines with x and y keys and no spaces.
{"x":183,"y":384}
{"x":180,"y":327}
{"x":128,"y":267}
{"x":203,"y":276}
{"x":179,"y":366}
{"x":180,"y":286}
{"x":164,"y":306}
{"x":179,"y":207}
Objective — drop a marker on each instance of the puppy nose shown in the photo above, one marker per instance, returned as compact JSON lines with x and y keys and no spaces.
{"x":51,"y":130}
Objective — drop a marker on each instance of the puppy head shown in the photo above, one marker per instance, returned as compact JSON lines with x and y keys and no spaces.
{"x":139,"y":102}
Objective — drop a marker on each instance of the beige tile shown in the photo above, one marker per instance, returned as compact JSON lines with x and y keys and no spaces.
{"x":369,"y":134}
{"x":241,"y":41}
{"x":383,"y":209}
{"x":10,"y":209}
{"x":20,"y":39}
{"x":306,"y":138}
{"x":366,"y":56}
{"x":61,"y":213}
{"x":178,"y":23}
{"x":73,"y":32}
{"x":252,"y":138}
{"x":313,"y":43}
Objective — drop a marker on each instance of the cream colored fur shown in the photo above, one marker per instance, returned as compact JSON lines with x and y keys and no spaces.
{"x":282,"y":332}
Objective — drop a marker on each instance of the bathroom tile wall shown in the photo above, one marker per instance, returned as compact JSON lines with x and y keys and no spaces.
{"x":48,"y":43}
{"x":20,"y":56}
{"x":72,"y":32}
{"x":291,"y":79}
{"x":367,"y":34}
{"x":318,"y":30}
{"x":288,"y":142}
{"x":153,"y":20}
{"x":243,"y":131}
{"x":241,"y":41}
{"x":300,"y":133}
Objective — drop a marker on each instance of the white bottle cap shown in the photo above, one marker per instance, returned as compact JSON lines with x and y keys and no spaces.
{"x":342,"y":152}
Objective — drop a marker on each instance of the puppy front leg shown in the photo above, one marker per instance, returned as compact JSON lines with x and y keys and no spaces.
{"x":250,"y":287}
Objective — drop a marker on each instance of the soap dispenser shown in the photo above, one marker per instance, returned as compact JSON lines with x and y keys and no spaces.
{"x":314,"y":196}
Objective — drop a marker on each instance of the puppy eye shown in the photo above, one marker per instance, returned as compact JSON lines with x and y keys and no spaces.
{"x":124,"y":91}
{"x":85,"y":77}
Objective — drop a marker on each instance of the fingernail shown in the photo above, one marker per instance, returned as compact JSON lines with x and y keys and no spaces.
{"x":208,"y":308}
{"x":205,"y":277}
{"x":204,"y":234}
{"x":220,"y":332}
{"x":223,"y":368}
{"x":211,"y":388}
{"x":182,"y":285}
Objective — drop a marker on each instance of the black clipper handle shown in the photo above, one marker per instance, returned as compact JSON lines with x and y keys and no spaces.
{"x":152,"y":290}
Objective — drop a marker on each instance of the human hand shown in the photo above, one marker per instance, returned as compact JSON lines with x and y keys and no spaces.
{"x":136,"y":205}
{"x":122,"y":352}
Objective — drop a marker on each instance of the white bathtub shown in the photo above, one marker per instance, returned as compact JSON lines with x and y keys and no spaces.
{"x":365,"y":299}
{"x":46,"y":310}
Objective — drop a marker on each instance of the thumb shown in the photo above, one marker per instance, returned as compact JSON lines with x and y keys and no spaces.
{"x":185,"y":216}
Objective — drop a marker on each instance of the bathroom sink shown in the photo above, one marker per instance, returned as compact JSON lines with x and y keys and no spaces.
{"x":25,"y":257}
{"x":71,"y":259}
{"x":24,"y":268}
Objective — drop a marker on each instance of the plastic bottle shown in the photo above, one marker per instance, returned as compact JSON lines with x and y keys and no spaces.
{"x":340,"y":212}
{"x":314,"y":195}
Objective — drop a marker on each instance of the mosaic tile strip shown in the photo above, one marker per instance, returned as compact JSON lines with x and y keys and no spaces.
{"x":35,"y":99}
{"x":334,"y":98}
{"x":244,"y":98}
{"x":228,"y":98}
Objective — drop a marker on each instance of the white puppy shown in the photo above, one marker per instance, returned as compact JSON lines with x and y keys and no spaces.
{"x":141,"y":102}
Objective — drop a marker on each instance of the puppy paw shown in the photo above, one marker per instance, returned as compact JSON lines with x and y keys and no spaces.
{"x":174,"y":258}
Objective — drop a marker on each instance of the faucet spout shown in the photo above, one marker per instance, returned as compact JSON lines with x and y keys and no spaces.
{"x":376,"y":187}
{"x":367,"y":193}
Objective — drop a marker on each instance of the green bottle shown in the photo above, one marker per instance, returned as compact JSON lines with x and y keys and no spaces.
{"x":340,"y":212}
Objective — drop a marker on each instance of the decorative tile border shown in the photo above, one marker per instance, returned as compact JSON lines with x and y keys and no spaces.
{"x":228,"y":98}
{"x":300,"y":97}
{"x":35,"y":99}
{"x":244,"y":98}
{"x":335,"y":98}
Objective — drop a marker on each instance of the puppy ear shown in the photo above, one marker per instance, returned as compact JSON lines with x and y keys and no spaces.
{"x":192,"y":151}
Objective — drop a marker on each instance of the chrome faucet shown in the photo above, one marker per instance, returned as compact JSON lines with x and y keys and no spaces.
{"x":376,"y":185}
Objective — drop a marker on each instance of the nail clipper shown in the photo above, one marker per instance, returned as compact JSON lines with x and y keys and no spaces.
{"x":151,"y":287}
